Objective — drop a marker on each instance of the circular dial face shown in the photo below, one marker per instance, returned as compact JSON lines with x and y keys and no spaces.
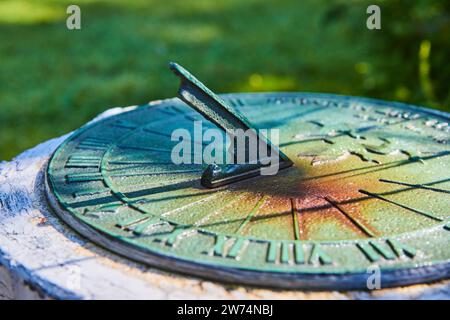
{"x":369,"y":190}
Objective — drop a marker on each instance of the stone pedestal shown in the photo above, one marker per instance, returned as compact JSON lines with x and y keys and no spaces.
{"x":42,"y":258}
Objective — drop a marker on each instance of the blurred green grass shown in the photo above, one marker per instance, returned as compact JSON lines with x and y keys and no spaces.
{"x":53,"y":80}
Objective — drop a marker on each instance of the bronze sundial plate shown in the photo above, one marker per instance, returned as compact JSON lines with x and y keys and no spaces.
{"x":369,"y":186}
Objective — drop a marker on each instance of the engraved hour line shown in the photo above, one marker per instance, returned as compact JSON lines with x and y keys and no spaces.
{"x":173,"y":182}
{"x":166,"y":112}
{"x":302,"y":101}
{"x":208,"y":198}
{"x":152,"y":173}
{"x":125,"y":124}
{"x":178,"y":110}
{"x":104,"y":144}
{"x":203,"y":220}
{"x":144,"y":222}
{"x":417,"y":186}
{"x":400,"y":205}
{"x":135,"y":204}
{"x":127,"y":166}
{"x":137,"y":162}
{"x":148,"y":149}
{"x":353,"y":200}
{"x":170,"y":239}
{"x":82,"y":161}
{"x":145,"y":149}
{"x":317,"y":123}
{"x":169,"y":136}
{"x":94,"y":144}
{"x":295,"y":216}
{"x":157,"y":133}
{"x":132,"y":221}
{"x":190,"y":204}
{"x":376,"y":168}
{"x":250,"y":215}
{"x":95,"y":176}
{"x":355,"y":222}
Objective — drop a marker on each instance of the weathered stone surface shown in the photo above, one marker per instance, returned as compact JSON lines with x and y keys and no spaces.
{"x":40,"y":257}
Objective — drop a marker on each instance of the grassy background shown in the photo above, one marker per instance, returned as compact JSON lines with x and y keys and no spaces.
{"x":53,"y":80}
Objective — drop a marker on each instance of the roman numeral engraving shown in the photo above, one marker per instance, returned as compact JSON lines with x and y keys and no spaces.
{"x":141,"y":225}
{"x":137,"y":163}
{"x":282,"y":100}
{"x":141,"y":228}
{"x":110,"y":208}
{"x":391,"y":250}
{"x":90,"y":192}
{"x":80,"y":161}
{"x":295,"y":218}
{"x":273,"y":254}
{"x":284,"y":252}
{"x":94,"y":144}
{"x":228,"y":247}
{"x":318,"y":256}
{"x":160,"y":150}
{"x":170,"y":113}
{"x":124,"y":124}
{"x":169,"y":238}
{"x":401,"y":248}
{"x":236,"y":102}
{"x":317,"y":123}
{"x":84,"y":177}
{"x":162,"y":134}
{"x":178,"y":110}
{"x":153,"y":173}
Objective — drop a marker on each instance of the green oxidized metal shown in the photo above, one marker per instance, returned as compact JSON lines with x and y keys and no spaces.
{"x":370,"y":185}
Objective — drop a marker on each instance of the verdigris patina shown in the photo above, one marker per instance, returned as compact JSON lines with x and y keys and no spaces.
{"x":367,"y":187}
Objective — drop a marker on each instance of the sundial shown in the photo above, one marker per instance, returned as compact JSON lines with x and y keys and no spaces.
{"x":361,"y":183}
